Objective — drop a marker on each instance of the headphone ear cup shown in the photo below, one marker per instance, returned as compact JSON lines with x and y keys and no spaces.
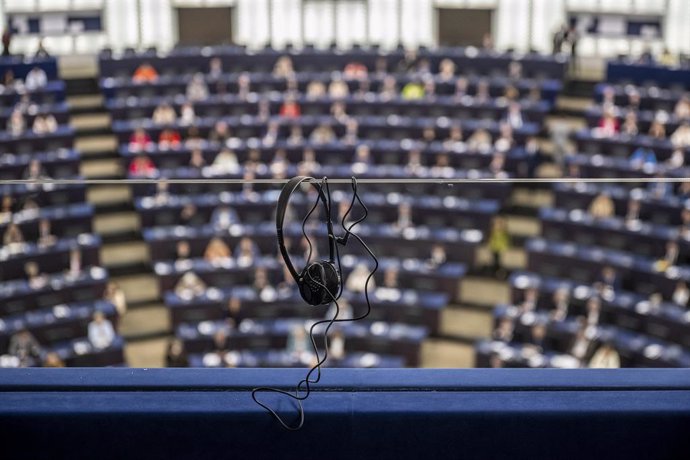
{"x":319,"y":283}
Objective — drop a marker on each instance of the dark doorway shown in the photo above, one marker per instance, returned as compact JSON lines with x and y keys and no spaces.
{"x":463,"y":26}
{"x":204,"y":26}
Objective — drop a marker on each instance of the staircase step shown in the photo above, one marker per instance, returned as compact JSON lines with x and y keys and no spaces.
{"x":101,"y":169}
{"x":96,"y":143}
{"x":466,"y":322}
{"x":138,"y":287}
{"x":90,"y":121}
{"x":145,"y":321}
{"x":484,"y":291}
{"x":118,"y":222}
{"x":146,"y":354}
{"x":440,"y":353}
{"x":130,"y":252}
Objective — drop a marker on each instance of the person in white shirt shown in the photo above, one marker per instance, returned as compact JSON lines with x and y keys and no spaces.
{"x":197,"y":89}
{"x":35,"y":79}
{"x":101,"y":332}
{"x":606,"y":357}
{"x":681,"y":137}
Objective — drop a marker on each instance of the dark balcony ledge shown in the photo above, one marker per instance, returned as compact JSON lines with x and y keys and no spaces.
{"x":405,"y":413}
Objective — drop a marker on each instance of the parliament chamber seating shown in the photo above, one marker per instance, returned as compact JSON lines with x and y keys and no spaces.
{"x":394,"y":129}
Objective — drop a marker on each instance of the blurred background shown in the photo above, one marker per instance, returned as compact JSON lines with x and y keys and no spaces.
{"x":573,"y":252}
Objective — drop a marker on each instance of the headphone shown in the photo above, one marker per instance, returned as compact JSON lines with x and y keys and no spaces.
{"x":319,"y":282}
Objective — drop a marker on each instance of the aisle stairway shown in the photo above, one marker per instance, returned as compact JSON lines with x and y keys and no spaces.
{"x":124,"y":254}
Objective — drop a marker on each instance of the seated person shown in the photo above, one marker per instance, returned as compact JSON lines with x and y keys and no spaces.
{"x":24,"y":346}
{"x":75,"y":262}
{"x":515,"y":70}
{"x":438,"y":255}
{"x":189,"y":286}
{"x":36,"y":279}
{"x":290,"y":108}
{"x":220,"y":132}
{"x":389,"y":88}
{"x":608,"y":125}
{"x":187,"y":114}
{"x":323,"y":134}
{"x":223,"y":217}
{"x":602,"y":206}
{"x":561,"y":300}
{"x":681,"y":294}
{"x":593,"y":307}
{"x":244,"y":86}
{"x":355,"y":71}
{"x":504,"y":330}
{"x":164,"y":114}
{"x":35,"y":79}
{"x":279,"y":165}
{"x":298,"y":342}
{"x":215,"y":68}
{"x":44,"y":124}
{"x":217,"y":251}
{"x":145,"y":73}
{"x":193,"y":138}
{"x":143,"y":166}
{"x":514,"y":115}
{"x":176,"y":355}
{"x":356,"y":281}
{"x":660,"y":189}
{"x":535,"y":157}
{"x":461,"y":88}
{"x":630,"y":124}
{"x":309,"y":164}
{"x":52,"y":359}
{"x":480,"y":141}
{"x":338,"y":89}
{"x":246,"y":252}
{"x":676,"y":160}
{"x":413,"y":90}
{"x":225,"y":161}
{"x":315,"y":90}
{"x":336,"y":344}
{"x":581,"y":345}
{"x":446,"y":69}
{"x":362,"y":156}
{"x":633,"y":212}
{"x":681,"y":137}
{"x":643,"y":158}
{"x":606,"y":357}
{"x":35,"y":171}
{"x":609,"y":279}
{"x":391,"y":278}
{"x":263,"y":286}
{"x":682,"y":109}
{"x":116,"y":295}
{"x":16,"y":123}
{"x":140,"y":140}
{"x":197,"y":89}
{"x":483,"y":95}
{"x":45,"y":237}
{"x":196,"y":159}
{"x":169,"y":138}
{"x":283,"y":67}
{"x":657,"y":130}
{"x":101,"y":332}
{"x":13,"y":235}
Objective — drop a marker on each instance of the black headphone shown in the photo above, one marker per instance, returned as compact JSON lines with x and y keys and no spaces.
{"x":319,"y":282}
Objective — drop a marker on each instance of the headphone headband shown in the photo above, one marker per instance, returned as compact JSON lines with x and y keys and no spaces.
{"x":283,"y":201}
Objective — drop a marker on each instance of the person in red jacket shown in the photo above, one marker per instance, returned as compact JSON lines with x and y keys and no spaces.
{"x":139,"y":140}
{"x":608,"y":125}
{"x":290,"y":108}
{"x":169,"y":138}
{"x":142,"y":166}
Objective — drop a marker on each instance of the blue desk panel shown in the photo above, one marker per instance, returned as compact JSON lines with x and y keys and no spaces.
{"x":193,"y":413}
